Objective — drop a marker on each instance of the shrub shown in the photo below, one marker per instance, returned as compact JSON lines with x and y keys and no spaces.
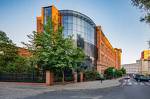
{"x":123,"y":70}
{"x":110,"y":72}
{"x":91,"y":75}
{"x":69,"y":78}
{"x":119,"y":73}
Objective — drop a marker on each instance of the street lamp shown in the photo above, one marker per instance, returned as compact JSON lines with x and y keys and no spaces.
{"x":113,"y":72}
{"x":148,"y":58}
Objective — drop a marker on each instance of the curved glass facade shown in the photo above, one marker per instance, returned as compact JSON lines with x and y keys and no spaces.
{"x":82,"y":28}
{"x":86,"y":35}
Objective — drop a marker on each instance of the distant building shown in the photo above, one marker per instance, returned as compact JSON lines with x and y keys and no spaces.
{"x":141,"y":66}
{"x":145,"y":62}
{"x":145,"y":66}
{"x":133,"y":68}
{"x":145,"y":55}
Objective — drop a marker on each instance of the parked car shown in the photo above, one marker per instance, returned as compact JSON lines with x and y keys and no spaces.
{"x":144,"y":78}
{"x":137,"y":77}
{"x":140,"y":78}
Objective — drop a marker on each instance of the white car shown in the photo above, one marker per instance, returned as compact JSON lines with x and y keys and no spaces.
{"x":127,"y":81}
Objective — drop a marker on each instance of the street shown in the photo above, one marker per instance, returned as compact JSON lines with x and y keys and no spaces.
{"x":137,"y":90}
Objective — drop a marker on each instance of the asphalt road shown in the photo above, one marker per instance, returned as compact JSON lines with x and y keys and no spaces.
{"x":127,"y":90}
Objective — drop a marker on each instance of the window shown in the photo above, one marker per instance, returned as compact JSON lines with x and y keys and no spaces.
{"x":70,"y":19}
{"x":47,"y":14}
{"x":74,"y":20}
{"x":70,"y":26}
{"x":74,"y":27}
{"x":65,"y":19}
{"x":78,"y":21}
{"x":65,"y":32}
{"x":65,"y":26}
{"x":70,"y":32}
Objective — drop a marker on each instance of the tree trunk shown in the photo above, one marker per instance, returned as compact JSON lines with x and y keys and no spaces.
{"x":75,"y":77}
{"x":63,"y":77}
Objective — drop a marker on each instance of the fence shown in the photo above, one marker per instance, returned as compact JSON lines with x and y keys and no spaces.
{"x":23,"y":77}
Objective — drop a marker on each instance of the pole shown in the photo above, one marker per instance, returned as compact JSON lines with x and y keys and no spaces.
{"x":148,"y":60}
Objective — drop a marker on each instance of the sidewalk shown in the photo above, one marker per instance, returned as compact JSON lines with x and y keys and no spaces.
{"x":17,"y":90}
{"x":70,"y":86}
{"x":86,"y":85}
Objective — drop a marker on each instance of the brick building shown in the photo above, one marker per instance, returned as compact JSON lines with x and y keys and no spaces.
{"x":107,"y":55}
{"x":94,"y":43}
{"x":24,"y":52}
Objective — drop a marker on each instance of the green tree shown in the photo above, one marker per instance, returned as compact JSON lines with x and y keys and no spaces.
{"x":53,"y":51}
{"x":20,"y":65}
{"x":118,"y":73}
{"x":10,"y":61}
{"x":145,"y":6}
{"x":123,"y":70}
{"x":110,"y":72}
{"x":8,"y":52}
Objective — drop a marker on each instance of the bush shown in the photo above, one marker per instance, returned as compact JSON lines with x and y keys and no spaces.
{"x":110,"y":72}
{"x":98,"y":76}
{"x":123,"y":70}
{"x":91,"y":75}
{"x":119,"y":73}
{"x":69,"y":78}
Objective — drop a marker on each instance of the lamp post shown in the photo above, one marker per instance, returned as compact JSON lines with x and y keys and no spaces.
{"x":113,"y":72}
{"x":148,"y":60}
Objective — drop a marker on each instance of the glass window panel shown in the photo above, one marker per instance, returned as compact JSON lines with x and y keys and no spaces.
{"x":74,"y":20}
{"x":74,"y":27}
{"x":85,"y":24}
{"x":74,"y":32}
{"x":82,"y":34}
{"x":82,"y":23}
{"x":82,"y":29}
{"x":70,"y":32}
{"x":65,"y":19}
{"x":65,"y":32}
{"x":77,"y":28}
{"x":88,"y":26}
{"x":47,"y":14}
{"x":70,"y":26}
{"x":49,"y":11}
{"x":65,"y":26}
{"x":70,"y":19}
{"x":78,"y":21}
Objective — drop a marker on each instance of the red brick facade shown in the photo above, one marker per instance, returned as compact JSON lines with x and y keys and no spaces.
{"x":107,"y":55}
{"x":24,"y":52}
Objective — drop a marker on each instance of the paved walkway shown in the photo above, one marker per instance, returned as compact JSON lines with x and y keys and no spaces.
{"x":87,"y":85}
{"x":13,"y":90}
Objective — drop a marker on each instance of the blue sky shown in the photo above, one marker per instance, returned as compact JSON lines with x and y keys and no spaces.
{"x":118,"y":18}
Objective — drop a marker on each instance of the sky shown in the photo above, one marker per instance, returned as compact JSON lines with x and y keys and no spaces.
{"x":118,"y":18}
